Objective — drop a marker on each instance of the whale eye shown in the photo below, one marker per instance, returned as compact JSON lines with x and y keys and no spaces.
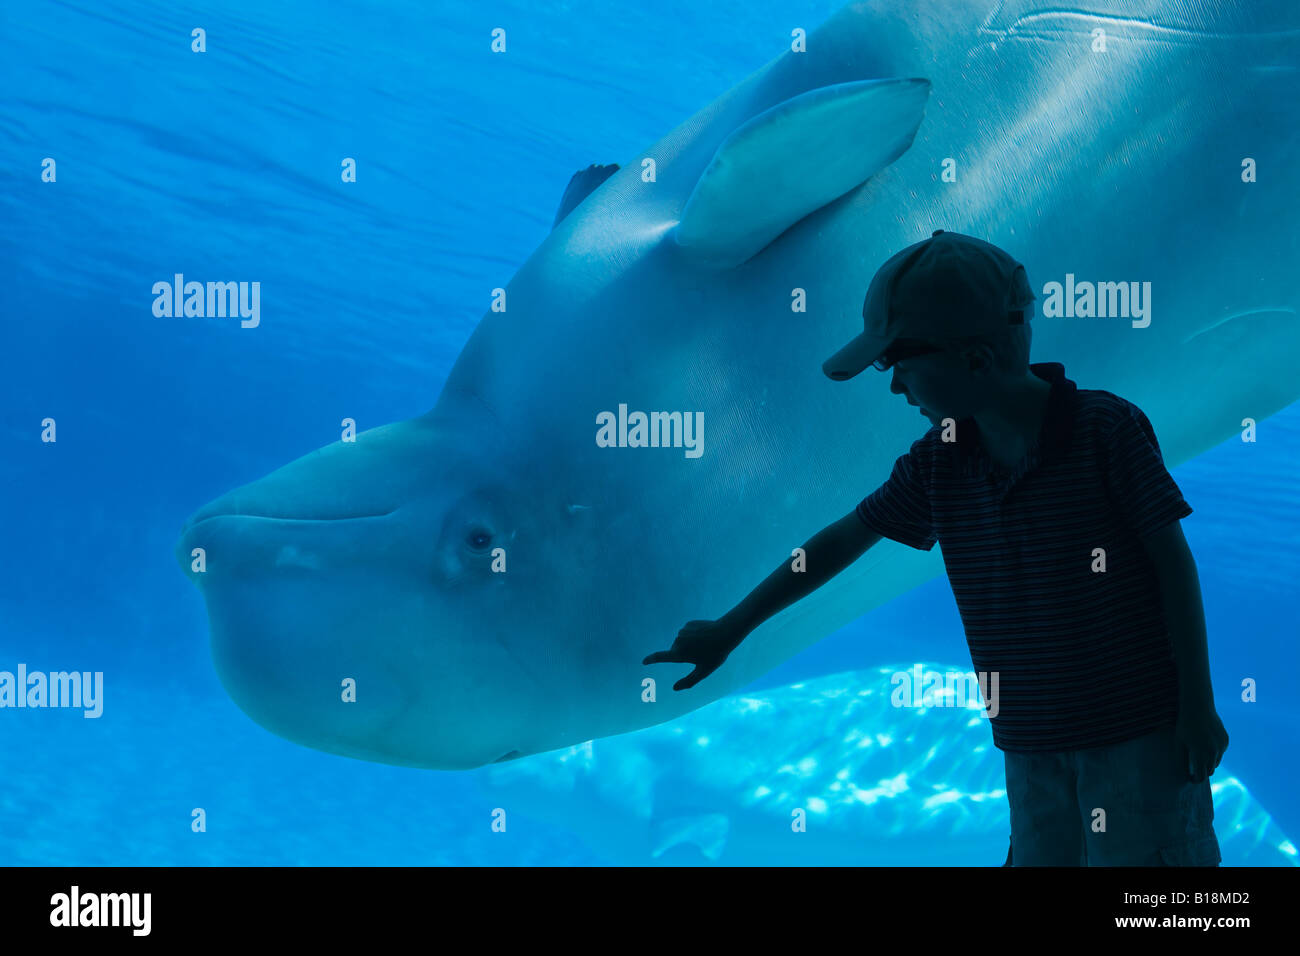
{"x":478,"y":539}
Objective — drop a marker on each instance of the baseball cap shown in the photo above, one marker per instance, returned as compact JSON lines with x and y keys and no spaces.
{"x":946,"y":286}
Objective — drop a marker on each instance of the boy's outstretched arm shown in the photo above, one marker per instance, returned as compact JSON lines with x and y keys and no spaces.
{"x":706,"y":644}
{"x":1199,"y":728}
{"x":828,"y":552}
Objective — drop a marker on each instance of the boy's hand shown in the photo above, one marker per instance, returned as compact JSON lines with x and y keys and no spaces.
{"x":705,"y":644}
{"x":1201,"y":739}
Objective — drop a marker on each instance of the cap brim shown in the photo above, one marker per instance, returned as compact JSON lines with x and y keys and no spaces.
{"x":855,"y":357}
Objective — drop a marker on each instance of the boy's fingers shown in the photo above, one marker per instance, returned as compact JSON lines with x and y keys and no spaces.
{"x":662,"y":657}
{"x":694,"y":677}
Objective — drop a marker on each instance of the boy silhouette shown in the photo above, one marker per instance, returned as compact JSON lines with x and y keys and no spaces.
{"x":1062,"y":543}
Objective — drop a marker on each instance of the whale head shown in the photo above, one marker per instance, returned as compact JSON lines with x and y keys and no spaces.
{"x":350,"y":600}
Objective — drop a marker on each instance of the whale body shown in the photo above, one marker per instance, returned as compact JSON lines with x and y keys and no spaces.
{"x":875,"y":784}
{"x":482,"y":582}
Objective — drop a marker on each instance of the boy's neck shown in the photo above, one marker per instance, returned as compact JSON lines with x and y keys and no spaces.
{"x":1015,"y":415}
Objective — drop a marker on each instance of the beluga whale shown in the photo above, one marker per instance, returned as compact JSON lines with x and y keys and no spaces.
{"x":482,"y":582}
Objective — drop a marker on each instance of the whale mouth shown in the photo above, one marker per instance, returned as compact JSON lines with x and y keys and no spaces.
{"x":203,"y":516}
{"x":204,"y":524}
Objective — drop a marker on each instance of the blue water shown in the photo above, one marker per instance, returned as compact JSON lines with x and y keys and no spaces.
{"x":226,"y":164}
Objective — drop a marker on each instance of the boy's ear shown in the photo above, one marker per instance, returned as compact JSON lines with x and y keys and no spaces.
{"x":979,"y":358}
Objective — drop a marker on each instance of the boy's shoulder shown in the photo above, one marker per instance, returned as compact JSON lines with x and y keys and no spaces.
{"x":1095,"y":414}
{"x":1106,"y":410}
{"x":1100,"y":400}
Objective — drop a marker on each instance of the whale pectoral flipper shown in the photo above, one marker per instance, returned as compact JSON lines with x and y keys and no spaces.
{"x":794,"y":158}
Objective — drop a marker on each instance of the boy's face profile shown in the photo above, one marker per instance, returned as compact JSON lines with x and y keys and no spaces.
{"x":943,"y":384}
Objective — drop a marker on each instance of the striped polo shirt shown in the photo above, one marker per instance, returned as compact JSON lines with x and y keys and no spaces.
{"x":1082,"y":654}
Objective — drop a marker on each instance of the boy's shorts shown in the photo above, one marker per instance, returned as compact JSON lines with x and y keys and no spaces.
{"x":1154,"y":815}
